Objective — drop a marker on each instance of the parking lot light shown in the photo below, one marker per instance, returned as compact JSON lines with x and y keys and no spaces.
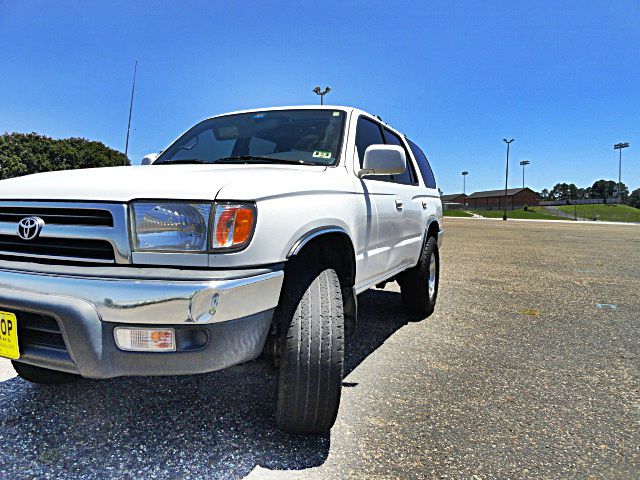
{"x":322,"y":93}
{"x":464,"y":183}
{"x":524,"y":163}
{"x":619,"y":147}
{"x":506,"y":178}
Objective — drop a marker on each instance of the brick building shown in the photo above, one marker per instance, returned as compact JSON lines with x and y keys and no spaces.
{"x":494,"y":199}
{"x":453,"y":198}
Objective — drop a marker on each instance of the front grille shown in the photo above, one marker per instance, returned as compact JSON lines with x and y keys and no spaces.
{"x":58,"y":215}
{"x":40,"y":338}
{"x":99,"y":251}
{"x":73,"y":233}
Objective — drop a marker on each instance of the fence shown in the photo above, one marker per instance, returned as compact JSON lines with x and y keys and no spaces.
{"x":608,"y":212}
{"x":581,"y":201}
{"x":583,"y":211}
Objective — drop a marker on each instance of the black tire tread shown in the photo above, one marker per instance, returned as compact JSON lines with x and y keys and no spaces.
{"x":414,"y":283}
{"x":43,"y":376}
{"x":312,"y":359}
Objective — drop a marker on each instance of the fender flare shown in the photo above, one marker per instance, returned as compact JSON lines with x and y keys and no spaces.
{"x":310,"y":235}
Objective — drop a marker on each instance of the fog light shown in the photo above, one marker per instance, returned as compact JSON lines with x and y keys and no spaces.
{"x":145,"y":339}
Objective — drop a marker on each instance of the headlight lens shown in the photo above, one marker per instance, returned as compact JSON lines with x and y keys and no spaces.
{"x":171,"y":226}
{"x":233,"y":225}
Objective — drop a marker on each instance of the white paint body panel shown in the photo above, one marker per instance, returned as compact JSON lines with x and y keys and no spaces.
{"x":291,"y":202}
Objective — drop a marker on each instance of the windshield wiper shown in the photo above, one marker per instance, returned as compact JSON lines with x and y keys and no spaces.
{"x":259,"y":159}
{"x":182,"y":160}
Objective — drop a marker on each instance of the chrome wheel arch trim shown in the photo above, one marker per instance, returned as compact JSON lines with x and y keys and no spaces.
{"x":307,"y":237}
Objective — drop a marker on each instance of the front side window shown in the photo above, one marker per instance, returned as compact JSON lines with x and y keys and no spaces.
{"x":367,"y":133}
{"x":311,"y":137}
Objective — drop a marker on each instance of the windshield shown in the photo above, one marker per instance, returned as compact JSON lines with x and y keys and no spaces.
{"x":275,"y":136}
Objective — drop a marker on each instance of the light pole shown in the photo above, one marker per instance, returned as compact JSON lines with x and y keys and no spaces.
{"x":523,"y":163}
{"x":318,"y":91}
{"x":133,"y":89}
{"x":506,"y":178}
{"x":464,"y":186}
{"x":620,"y":146}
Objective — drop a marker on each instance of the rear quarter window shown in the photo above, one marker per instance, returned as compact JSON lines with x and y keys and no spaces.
{"x":423,"y":165}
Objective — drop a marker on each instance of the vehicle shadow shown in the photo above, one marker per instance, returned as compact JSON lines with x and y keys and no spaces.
{"x":217,"y":425}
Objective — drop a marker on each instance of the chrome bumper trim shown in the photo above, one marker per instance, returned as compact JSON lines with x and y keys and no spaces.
{"x":136,"y":301}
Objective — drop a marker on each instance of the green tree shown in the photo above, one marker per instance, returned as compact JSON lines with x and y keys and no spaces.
{"x":634,"y":198}
{"x":608,"y":189}
{"x":563,"y":191}
{"x":27,"y":153}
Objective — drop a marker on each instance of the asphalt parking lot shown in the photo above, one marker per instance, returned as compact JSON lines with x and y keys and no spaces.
{"x":528,"y":369}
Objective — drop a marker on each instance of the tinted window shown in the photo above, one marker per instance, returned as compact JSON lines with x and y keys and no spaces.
{"x":423,"y":165}
{"x":308,"y":136}
{"x":408,"y":177}
{"x":367,"y":133}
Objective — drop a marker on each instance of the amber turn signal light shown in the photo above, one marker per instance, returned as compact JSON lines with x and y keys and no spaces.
{"x":233,"y":225}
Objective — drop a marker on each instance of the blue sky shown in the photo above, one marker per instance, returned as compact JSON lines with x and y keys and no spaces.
{"x":562,"y":78}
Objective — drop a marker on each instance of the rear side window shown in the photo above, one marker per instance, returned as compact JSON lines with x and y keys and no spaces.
{"x":423,"y":165}
{"x":409,"y":176}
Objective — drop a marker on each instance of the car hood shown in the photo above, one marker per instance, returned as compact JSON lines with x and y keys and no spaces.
{"x":192,"y":182}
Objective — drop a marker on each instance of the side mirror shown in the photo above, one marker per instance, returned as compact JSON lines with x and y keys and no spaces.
{"x":149,"y":159}
{"x":383,"y":160}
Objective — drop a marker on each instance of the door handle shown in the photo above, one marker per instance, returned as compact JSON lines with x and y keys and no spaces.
{"x":399,"y":204}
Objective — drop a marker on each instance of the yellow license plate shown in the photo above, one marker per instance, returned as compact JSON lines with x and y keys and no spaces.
{"x":9,"y":336}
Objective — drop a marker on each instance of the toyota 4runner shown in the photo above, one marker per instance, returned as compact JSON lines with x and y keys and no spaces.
{"x":250,"y":236}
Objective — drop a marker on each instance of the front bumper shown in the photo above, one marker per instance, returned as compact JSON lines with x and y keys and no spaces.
{"x":233,"y":308}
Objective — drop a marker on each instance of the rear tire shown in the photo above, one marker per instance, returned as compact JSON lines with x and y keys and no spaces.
{"x":419,"y":285}
{"x":311,"y":351}
{"x":43,"y":376}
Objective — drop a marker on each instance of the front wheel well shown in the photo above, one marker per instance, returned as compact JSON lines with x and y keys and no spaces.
{"x":433,"y":229}
{"x":331,"y":250}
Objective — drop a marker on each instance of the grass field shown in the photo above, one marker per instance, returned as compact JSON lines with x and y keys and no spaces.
{"x":610,"y":213}
{"x":533,"y":213}
{"x":455,"y":213}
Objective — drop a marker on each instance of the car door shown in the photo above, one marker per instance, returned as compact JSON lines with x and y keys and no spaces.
{"x":430,"y":196}
{"x":406,"y":189}
{"x":379,"y":206}
{"x":390,"y":196}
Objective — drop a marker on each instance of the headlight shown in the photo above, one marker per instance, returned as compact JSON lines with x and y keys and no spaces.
{"x":233,"y":225}
{"x":171,"y":226}
{"x":186,"y":227}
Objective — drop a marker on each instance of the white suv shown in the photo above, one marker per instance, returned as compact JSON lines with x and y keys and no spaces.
{"x":249,"y":236}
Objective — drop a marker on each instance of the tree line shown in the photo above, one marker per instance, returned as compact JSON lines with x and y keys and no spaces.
{"x":600,"y":189}
{"x":27,"y":153}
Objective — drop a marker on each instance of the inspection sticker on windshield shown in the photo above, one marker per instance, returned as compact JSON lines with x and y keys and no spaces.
{"x":321,"y":154}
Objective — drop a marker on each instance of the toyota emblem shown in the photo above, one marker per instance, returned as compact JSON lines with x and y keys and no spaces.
{"x":29,"y":228}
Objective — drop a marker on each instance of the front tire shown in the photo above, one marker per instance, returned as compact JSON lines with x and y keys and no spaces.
{"x":311,"y":352}
{"x":43,"y":376}
{"x":419,"y":285}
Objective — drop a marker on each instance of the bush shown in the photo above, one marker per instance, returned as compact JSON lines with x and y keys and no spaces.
{"x":27,"y":153}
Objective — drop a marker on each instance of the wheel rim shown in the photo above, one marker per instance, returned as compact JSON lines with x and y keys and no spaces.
{"x":433,"y":270}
